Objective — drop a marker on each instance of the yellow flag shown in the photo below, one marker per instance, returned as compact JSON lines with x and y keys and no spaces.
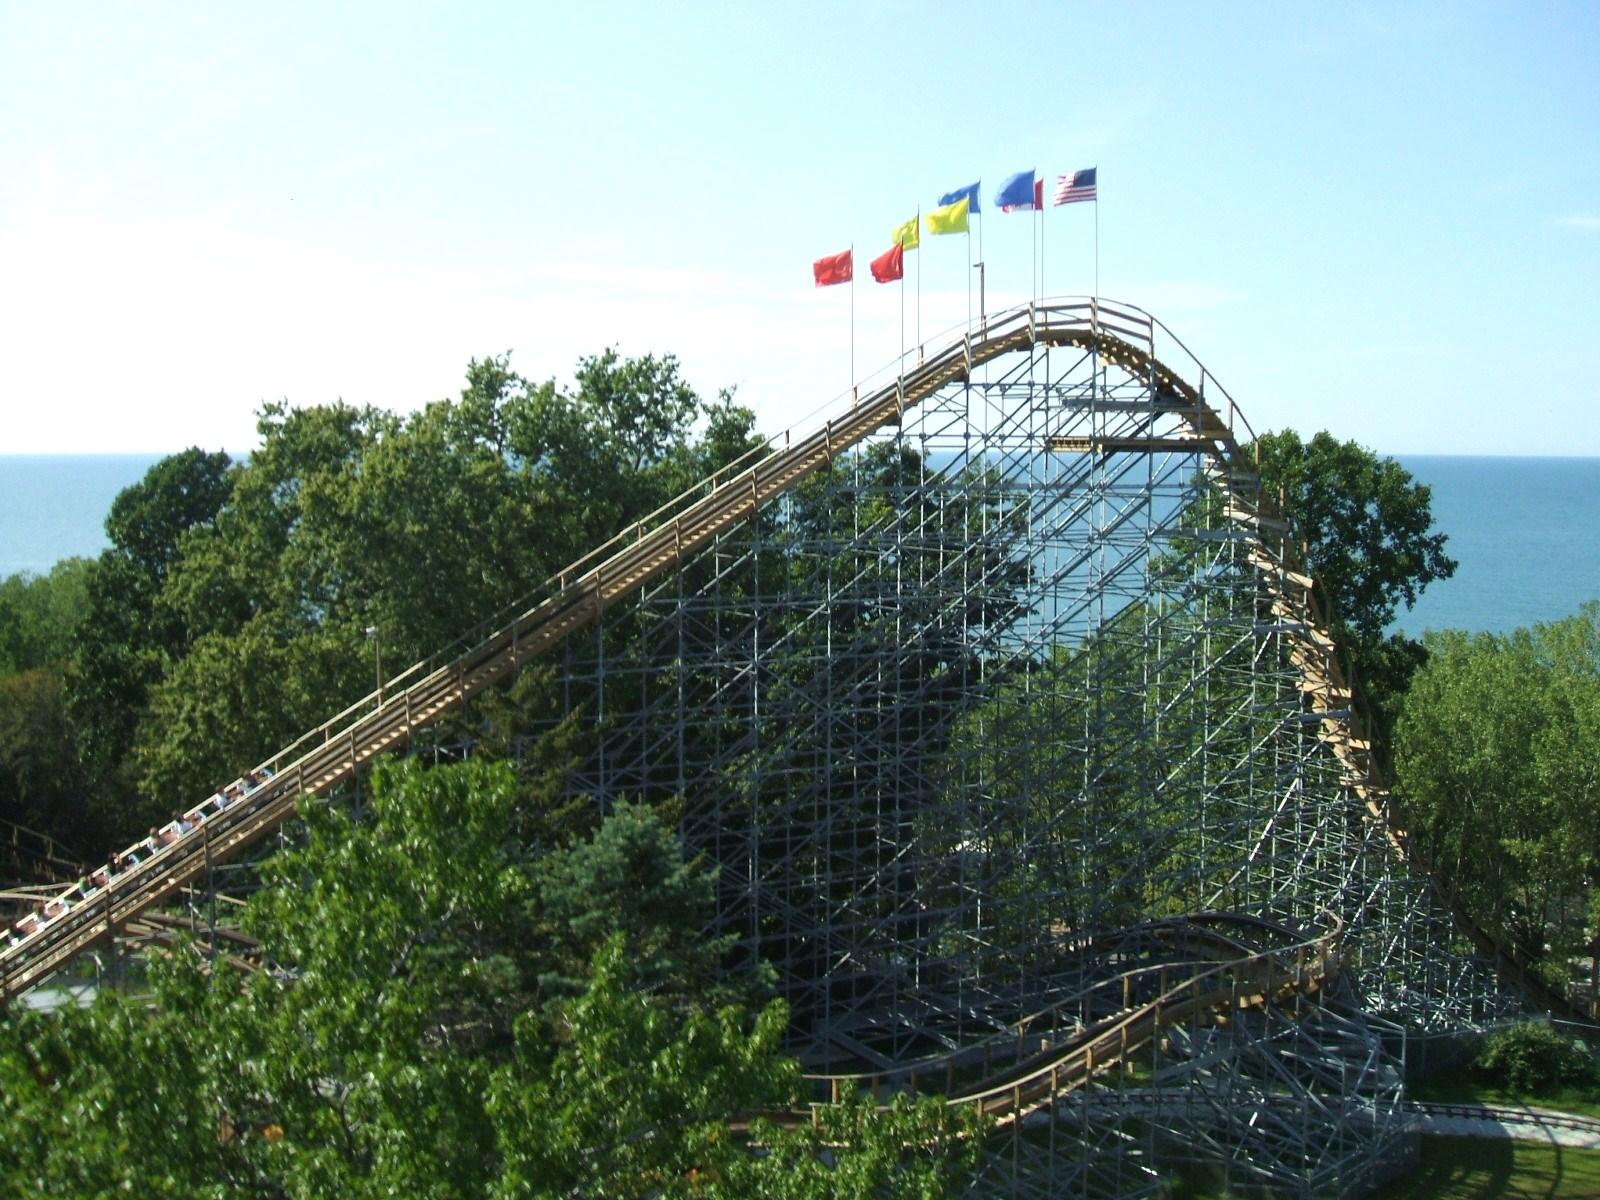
{"x":907,"y":236}
{"x":952,"y":218}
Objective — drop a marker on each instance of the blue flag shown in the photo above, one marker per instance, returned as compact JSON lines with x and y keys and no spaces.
{"x":1016,"y":192}
{"x":970,"y":192}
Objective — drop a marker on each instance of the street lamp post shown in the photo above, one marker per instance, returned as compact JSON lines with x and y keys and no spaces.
{"x":376,"y":635}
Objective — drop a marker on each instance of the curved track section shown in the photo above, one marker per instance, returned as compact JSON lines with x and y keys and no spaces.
{"x":1204,"y":967}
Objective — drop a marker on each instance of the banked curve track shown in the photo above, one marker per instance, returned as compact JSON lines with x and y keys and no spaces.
{"x":320,"y":760}
{"x":1043,"y":1062}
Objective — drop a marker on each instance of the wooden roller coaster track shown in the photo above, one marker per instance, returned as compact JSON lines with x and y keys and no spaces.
{"x":28,"y":858}
{"x":99,"y":906}
{"x":1041,"y":1067}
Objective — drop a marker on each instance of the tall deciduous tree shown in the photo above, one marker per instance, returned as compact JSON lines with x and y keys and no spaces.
{"x":42,"y":782}
{"x":1365,"y":527}
{"x":125,"y":641}
{"x":233,"y":609}
{"x":39,"y":614}
{"x":42,"y":785}
{"x":1498,"y":765}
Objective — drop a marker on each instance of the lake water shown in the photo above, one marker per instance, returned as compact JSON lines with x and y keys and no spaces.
{"x":1526,"y":531}
{"x":54,"y":506}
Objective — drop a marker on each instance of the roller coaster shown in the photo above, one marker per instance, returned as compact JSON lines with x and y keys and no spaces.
{"x":1024,"y":754}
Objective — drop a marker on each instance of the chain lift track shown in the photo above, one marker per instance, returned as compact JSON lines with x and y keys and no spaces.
{"x":327,"y":756}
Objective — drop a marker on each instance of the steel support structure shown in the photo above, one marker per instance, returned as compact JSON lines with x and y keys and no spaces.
{"x":985,"y":699}
{"x":1015,"y":672}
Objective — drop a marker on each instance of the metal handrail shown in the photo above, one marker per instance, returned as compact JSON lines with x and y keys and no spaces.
{"x":30,"y":847}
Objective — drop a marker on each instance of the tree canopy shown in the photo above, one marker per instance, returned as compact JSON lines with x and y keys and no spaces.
{"x":407,"y":1038}
{"x":38,"y":614}
{"x":42,"y":784}
{"x":1365,"y":527}
{"x":233,"y":607}
{"x":473,"y":985}
{"x":1498,"y":769}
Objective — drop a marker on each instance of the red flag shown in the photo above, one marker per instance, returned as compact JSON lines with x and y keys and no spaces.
{"x":836,"y":268}
{"x":890,"y":265}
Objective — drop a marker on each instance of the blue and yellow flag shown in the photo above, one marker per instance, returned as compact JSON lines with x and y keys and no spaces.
{"x":951,"y":218}
{"x":970,"y":192}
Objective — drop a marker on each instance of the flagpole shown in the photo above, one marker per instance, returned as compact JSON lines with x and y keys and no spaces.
{"x":852,"y":321}
{"x":902,"y":310}
{"x":969,"y":276}
{"x":980,"y":220}
{"x":1042,"y":292}
{"x":1034,"y":282}
{"x":978,"y":216}
{"x":919,"y":281}
{"x":1097,"y":233}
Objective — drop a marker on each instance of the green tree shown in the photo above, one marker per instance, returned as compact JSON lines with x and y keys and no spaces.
{"x":124,"y":642}
{"x":627,"y":882}
{"x":392,"y":1050}
{"x":231,"y":612}
{"x":1498,"y":769}
{"x":1533,"y":1057}
{"x":42,"y":783}
{"x":1365,"y":528}
{"x":634,"y":1103}
{"x":39,"y":614}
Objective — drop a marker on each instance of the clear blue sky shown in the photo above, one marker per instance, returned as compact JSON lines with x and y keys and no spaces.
{"x":1382,"y":221}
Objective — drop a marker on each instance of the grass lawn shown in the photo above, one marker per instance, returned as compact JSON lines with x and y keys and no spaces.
{"x":1497,"y":1169}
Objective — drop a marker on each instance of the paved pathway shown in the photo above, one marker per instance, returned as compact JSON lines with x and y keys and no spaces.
{"x":1507,"y":1121}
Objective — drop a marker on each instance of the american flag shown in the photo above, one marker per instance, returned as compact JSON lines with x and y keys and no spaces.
{"x":1077,"y":186}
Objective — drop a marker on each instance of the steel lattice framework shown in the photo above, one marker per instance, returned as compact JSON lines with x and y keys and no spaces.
{"x":1022,"y":753}
{"x":1024,"y":669}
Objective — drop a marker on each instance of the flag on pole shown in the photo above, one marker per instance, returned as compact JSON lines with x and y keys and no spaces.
{"x":835,"y":268}
{"x":949,"y":218}
{"x":970,"y":192}
{"x":890,"y":265}
{"x":1016,"y":192}
{"x":907,"y":236}
{"x":1077,"y":186}
{"x":1036,"y":202}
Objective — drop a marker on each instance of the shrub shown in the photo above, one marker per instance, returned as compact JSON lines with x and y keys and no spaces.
{"x":1533,"y":1057}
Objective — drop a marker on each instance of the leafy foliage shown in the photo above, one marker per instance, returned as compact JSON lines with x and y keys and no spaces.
{"x":1366,"y":530}
{"x":401,"y":1045}
{"x":1499,"y":772}
{"x":42,"y":784}
{"x":232,"y":610}
{"x":627,"y":884}
{"x":1533,"y":1057}
{"x":38,"y":614}
{"x":123,"y":641}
